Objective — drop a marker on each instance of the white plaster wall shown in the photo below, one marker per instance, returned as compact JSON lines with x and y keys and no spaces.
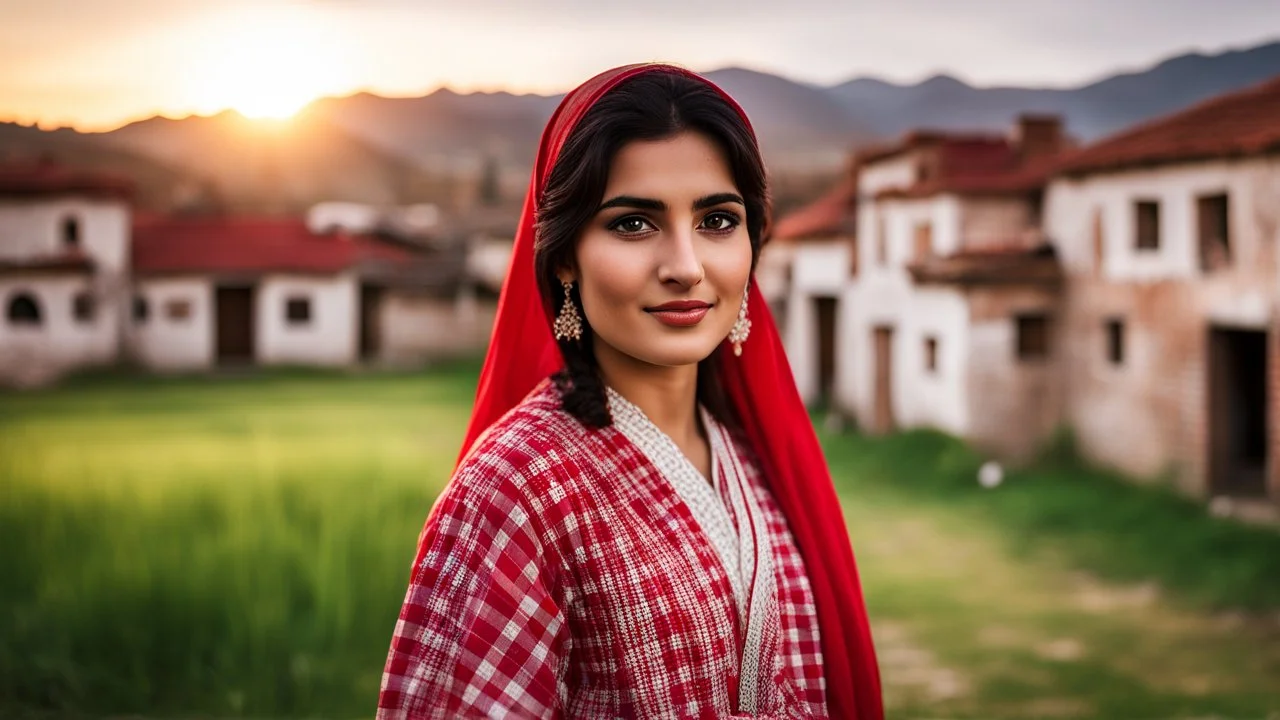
{"x":60,"y":343}
{"x":1253,"y":188}
{"x":938,"y":399}
{"x":350,"y":217}
{"x":821,"y":267}
{"x":871,"y":300}
{"x":898,"y":171}
{"x":330,"y":338}
{"x":33,"y":228}
{"x":818,"y":269}
{"x":918,"y":398}
{"x":987,"y":221}
{"x":900,"y":219}
{"x":164,"y":343}
{"x":415,"y":328}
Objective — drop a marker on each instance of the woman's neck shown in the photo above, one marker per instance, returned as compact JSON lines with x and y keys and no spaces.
{"x":668,"y":396}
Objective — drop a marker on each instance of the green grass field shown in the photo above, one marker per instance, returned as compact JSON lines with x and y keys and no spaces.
{"x":239,"y":547}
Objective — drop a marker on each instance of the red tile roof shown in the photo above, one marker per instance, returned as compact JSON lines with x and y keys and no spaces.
{"x":1233,"y":125}
{"x":965,"y":164}
{"x":916,"y":139}
{"x":831,"y":215}
{"x":163,"y":245}
{"x":44,"y":178}
{"x":1014,"y":180}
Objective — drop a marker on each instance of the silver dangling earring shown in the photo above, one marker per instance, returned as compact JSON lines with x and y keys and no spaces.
{"x":741,"y":328}
{"x":568,"y":325}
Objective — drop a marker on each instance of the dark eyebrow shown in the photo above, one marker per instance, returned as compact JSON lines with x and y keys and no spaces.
{"x":639,"y":203}
{"x":703,"y":203}
{"x":632,"y":202}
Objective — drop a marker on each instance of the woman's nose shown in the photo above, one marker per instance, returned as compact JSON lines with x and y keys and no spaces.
{"x":680,"y":262}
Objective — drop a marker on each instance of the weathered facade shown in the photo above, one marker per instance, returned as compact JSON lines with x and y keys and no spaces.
{"x":1169,"y":236}
{"x":947,"y":321}
{"x":1129,"y":290}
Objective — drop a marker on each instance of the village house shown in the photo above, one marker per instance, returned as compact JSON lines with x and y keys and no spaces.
{"x":1169,"y":235}
{"x":64,"y":270}
{"x":233,"y":290}
{"x":945,"y":320}
{"x":85,"y":282}
{"x":803,"y":270}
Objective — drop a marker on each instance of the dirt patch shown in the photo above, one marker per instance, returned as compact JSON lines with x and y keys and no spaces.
{"x":1098,"y":597}
{"x":910,"y":671}
{"x":1061,"y":650}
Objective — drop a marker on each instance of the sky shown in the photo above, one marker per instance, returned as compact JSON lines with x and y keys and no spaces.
{"x":97,"y":64}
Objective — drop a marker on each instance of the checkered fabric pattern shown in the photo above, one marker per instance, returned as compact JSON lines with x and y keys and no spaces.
{"x":561,"y":576}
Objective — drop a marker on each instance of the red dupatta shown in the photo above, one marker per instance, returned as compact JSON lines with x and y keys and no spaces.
{"x":762,"y":389}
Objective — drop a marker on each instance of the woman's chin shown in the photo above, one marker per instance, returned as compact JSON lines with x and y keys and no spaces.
{"x":672,"y":354}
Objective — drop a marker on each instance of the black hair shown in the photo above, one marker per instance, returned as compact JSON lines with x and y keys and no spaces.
{"x":650,"y":106}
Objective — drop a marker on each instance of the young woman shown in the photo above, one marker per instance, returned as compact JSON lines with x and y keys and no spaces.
{"x":642,"y":523}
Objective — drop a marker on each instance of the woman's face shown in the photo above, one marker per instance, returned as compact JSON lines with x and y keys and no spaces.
{"x":663,"y":264}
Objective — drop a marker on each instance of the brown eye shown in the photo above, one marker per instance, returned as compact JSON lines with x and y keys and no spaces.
{"x":720,"y":222}
{"x":630,"y":225}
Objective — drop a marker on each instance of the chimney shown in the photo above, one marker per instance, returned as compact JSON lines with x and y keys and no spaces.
{"x":1038,"y":136}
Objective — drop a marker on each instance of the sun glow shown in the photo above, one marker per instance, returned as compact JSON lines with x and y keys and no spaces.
{"x":269,"y":62}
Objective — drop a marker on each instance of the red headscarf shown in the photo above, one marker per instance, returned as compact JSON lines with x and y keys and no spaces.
{"x":760,"y":385}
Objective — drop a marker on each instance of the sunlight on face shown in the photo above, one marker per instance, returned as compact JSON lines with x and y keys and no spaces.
{"x":269,"y":61}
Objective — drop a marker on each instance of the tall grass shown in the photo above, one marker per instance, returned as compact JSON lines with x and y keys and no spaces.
{"x":232,"y":547}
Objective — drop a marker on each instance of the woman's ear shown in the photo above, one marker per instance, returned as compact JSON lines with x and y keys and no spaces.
{"x":566,"y":274}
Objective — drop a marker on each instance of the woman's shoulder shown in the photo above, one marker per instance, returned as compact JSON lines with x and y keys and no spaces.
{"x":533,"y":443}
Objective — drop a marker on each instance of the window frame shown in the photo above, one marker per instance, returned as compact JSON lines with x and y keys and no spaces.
{"x":30,"y":320}
{"x":1146,"y":225}
{"x":1025,"y":349}
{"x":298,"y":311}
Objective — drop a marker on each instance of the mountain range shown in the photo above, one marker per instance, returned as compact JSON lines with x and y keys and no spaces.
{"x":438,"y":147}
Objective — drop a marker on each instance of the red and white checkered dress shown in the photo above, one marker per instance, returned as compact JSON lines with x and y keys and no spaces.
{"x":564,"y":574}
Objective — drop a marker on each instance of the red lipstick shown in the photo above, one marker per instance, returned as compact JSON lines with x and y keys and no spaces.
{"x":680,"y":313}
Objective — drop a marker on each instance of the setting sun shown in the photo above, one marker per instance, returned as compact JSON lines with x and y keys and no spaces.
{"x":269,"y":62}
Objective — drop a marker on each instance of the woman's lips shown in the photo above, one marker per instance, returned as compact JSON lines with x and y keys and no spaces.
{"x":680,"y":314}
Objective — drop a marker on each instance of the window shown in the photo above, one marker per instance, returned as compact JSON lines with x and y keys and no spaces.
{"x":931,"y":354}
{"x":177,"y":309}
{"x":1033,"y":336}
{"x":1212,"y":213}
{"x":24,"y":310}
{"x":923,"y":242}
{"x":71,"y":232}
{"x":83,"y":307}
{"x":1115,"y":341}
{"x":141,"y":309}
{"x":297,"y":310}
{"x":1147,"y":224}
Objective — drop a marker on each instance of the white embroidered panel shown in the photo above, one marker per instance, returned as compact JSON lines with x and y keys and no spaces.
{"x":750,"y":572}
{"x":753,"y":533}
{"x":698,"y":494}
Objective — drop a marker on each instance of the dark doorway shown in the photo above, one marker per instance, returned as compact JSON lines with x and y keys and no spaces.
{"x":1238,"y":412}
{"x":824,"y":309}
{"x":370,"y":323}
{"x":234,"y":318}
{"x":883,"y":420}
